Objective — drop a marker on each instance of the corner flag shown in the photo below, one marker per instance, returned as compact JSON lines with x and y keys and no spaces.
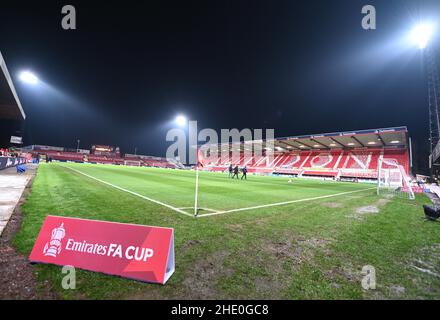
{"x":200,"y":161}
{"x":200,"y":158}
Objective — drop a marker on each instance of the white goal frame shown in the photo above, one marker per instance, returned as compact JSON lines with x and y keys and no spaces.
{"x":393,"y":180}
{"x":132,"y":163}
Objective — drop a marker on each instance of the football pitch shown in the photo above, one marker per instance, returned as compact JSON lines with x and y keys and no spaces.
{"x":263,"y":238}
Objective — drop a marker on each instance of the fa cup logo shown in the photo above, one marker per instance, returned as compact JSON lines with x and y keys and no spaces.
{"x":53,"y":247}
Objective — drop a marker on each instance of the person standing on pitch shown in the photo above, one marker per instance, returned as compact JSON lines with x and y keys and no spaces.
{"x":244,"y":171}
{"x":235,"y":172}
{"x":230,"y":170}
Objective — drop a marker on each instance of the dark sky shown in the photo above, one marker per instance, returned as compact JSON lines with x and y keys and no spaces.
{"x":296,"y":66}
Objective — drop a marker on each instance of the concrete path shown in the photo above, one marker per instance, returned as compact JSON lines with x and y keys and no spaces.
{"x":12,"y":186}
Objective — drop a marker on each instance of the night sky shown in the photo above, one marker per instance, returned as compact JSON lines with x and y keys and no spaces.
{"x":300,"y":67}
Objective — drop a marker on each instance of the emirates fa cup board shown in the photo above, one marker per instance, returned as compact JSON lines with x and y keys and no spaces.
{"x":132,"y":251}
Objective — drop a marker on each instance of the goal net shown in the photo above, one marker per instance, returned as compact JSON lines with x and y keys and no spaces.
{"x":133,"y":163}
{"x":393,"y":180}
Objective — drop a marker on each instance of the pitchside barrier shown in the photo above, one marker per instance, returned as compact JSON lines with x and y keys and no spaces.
{"x":7,"y":162}
{"x":128,"y":250}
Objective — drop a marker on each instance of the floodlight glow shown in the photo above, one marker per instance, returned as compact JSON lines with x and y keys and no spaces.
{"x":422,"y":33}
{"x":181,"y":120}
{"x":28,"y":77}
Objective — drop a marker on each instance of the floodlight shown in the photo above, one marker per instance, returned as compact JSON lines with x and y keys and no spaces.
{"x":28,"y":77}
{"x":181,"y":120}
{"x":422,"y":33}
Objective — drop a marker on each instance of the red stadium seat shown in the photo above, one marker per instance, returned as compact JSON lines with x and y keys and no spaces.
{"x":353,"y":163}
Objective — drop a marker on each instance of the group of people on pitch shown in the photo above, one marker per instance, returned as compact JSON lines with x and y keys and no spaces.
{"x":233,"y":172}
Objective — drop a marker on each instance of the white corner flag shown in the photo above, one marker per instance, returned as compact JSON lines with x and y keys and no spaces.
{"x":200,"y":161}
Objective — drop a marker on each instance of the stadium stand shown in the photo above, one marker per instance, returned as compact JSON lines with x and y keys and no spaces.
{"x":84,"y":156}
{"x":12,"y":118}
{"x":149,"y":161}
{"x":344,"y":155}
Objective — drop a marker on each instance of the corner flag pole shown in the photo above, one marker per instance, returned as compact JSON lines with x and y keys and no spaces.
{"x":197,"y":190}
{"x":200,"y":162}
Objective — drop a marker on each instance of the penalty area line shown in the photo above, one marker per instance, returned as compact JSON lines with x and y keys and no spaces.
{"x":131,"y":192}
{"x":281,"y":203}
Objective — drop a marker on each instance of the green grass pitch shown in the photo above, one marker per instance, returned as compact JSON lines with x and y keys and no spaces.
{"x":263,"y":238}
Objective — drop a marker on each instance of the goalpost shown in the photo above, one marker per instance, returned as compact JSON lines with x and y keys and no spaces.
{"x":393,"y":180}
{"x":133,"y":163}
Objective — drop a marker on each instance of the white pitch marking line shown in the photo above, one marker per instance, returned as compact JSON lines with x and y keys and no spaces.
{"x":131,"y":192}
{"x":282,"y":203}
{"x":206,"y":209}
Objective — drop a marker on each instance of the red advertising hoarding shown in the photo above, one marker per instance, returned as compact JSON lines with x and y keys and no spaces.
{"x":128,"y":250}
